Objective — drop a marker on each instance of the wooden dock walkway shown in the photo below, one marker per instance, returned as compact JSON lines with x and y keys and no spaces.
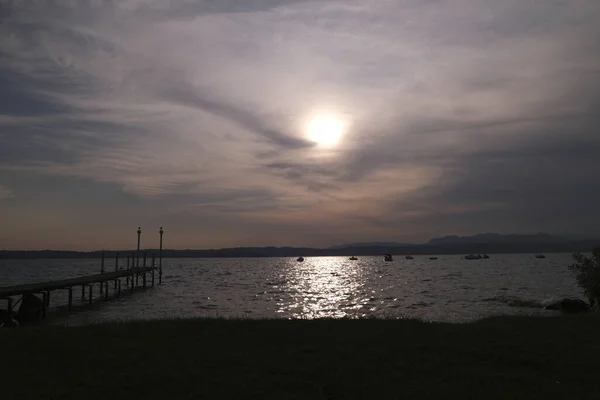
{"x":132,"y":276}
{"x":33,"y":288}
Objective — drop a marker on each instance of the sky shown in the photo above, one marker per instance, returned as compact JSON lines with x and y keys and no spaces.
{"x":453,"y":117}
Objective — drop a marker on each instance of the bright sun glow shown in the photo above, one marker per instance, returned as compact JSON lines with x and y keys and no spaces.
{"x":325,"y":130}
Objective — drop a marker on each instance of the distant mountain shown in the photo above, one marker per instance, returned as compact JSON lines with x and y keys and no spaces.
{"x":372,"y":244}
{"x":496,"y":238}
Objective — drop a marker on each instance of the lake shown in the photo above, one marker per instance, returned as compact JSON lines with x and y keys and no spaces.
{"x":448,"y":289}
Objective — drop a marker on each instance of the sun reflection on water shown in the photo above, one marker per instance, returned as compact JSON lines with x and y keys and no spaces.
{"x":323,"y":287}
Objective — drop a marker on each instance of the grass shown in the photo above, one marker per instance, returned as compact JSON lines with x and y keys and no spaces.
{"x":498,"y":358}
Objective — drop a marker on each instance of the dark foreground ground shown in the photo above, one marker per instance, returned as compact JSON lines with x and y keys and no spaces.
{"x":500,"y":358}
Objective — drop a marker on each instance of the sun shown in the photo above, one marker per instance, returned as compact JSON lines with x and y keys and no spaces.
{"x":325,"y":130}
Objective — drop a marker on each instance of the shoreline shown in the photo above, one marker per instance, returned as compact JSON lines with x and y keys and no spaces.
{"x":21,"y":255}
{"x":497,"y":358}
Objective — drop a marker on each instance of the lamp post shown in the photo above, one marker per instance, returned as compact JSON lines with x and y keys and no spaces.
{"x":160,"y":255}
{"x":137,"y":256}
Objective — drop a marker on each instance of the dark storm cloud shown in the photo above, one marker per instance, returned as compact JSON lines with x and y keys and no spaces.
{"x":547,"y":181}
{"x":245,"y":119}
{"x":17,"y":98}
{"x":191,"y":9}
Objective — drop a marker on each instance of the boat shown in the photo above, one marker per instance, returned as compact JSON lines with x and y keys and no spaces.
{"x":409,"y":257}
{"x":300,"y":259}
{"x":433,"y":258}
{"x":540,"y":256}
{"x":388,"y":257}
{"x":353,"y":258}
{"x":485,"y":257}
{"x":473,"y":257}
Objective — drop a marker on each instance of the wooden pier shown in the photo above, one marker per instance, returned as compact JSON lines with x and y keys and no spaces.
{"x":87,"y":283}
{"x":132,"y":274}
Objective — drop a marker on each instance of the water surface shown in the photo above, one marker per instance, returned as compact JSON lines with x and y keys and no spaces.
{"x":447,"y":289}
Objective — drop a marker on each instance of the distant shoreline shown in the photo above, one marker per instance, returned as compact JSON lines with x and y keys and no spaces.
{"x":274,"y":252}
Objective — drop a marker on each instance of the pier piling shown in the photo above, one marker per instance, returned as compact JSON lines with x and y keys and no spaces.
{"x":82,"y":292}
{"x":91,"y":292}
{"x":9,"y":308}
{"x":144,"y":276}
{"x":137,"y":276}
{"x":45,"y":307}
{"x":70,"y":299}
{"x":116,"y":268}
{"x":153,"y":267}
{"x":102,"y":270}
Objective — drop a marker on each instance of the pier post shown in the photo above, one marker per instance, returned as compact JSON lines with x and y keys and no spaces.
{"x":132,"y":283}
{"x":144,"y":276}
{"x":47,"y":298}
{"x":118,"y":287}
{"x":116,"y":268}
{"x":91,"y":292}
{"x":153,"y":267}
{"x":137,"y":265}
{"x":9,"y":309}
{"x":45,"y":308}
{"x":82,"y":292}
{"x":102,"y":271}
{"x":70,"y":299}
{"x":105,"y":290}
{"x":160,"y":256}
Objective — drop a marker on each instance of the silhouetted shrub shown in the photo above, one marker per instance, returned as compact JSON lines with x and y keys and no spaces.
{"x":587,"y":271}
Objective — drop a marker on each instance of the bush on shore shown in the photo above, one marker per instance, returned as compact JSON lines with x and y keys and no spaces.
{"x":587,"y":270}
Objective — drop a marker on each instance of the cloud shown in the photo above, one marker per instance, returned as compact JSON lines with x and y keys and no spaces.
{"x":5,"y":193}
{"x":462,"y":115}
{"x":187,"y":97}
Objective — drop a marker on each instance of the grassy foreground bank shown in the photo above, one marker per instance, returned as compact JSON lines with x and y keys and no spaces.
{"x":499,"y":358}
